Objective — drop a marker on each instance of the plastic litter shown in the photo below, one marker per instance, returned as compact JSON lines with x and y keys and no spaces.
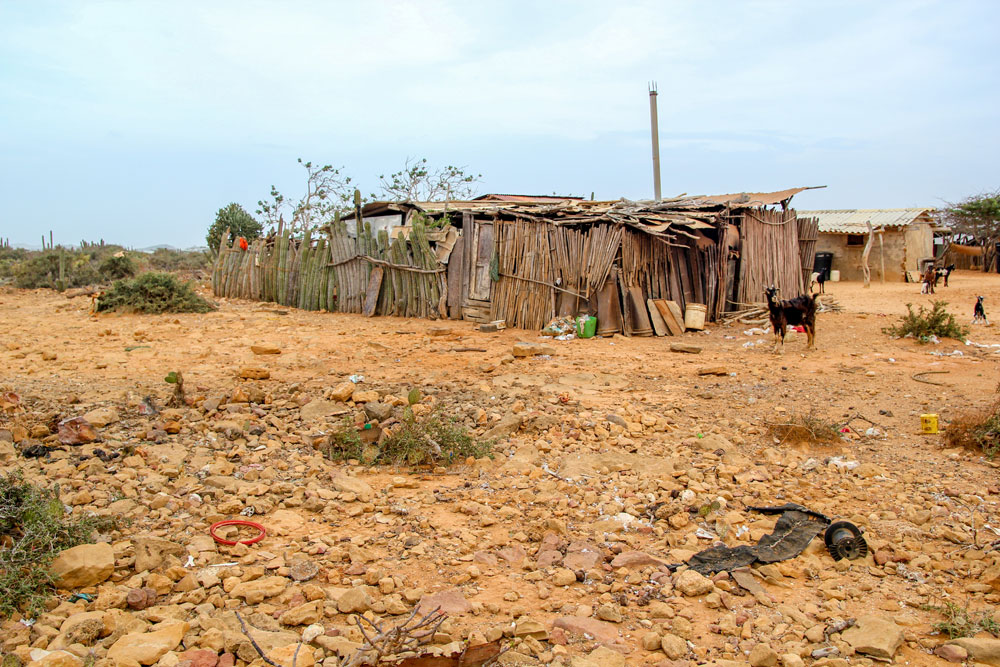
{"x":356,"y":378}
{"x":842,"y":463}
{"x":560,"y":326}
{"x":237,"y":522}
{"x":569,"y":336}
{"x":190,"y":561}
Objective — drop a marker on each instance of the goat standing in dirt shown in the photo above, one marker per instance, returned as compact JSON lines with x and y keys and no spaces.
{"x":798,"y":311}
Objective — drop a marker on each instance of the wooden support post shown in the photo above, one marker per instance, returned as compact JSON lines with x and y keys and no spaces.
{"x":865,"y":270}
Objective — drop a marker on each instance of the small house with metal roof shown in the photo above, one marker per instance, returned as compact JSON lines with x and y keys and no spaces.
{"x":903,"y":240}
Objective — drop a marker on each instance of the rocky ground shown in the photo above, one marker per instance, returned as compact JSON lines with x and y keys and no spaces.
{"x":613,"y":460}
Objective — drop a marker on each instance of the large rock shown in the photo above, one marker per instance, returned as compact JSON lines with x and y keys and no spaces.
{"x":150,"y":552}
{"x":76,"y":431}
{"x":101,"y":417}
{"x":356,"y":600}
{"x":54,"y":659}
{"x":257,"y":590}
{"x":605,"y":633}
{"x":692,"y":584}
{"x":635,"y":560}
{"x":359,"y":487}
{"x":83,"y":565}
{"x":342,"y":392}
{"x":531,"y":349}
{"x":145,"y":648}
{"x":876,"y":636}
{"x":304,"y":614}
{"x":318,"y":409}
{"x":505,"y":427}
{"x":293,"y":654}
{"x":985,"y":650}
{"x":449,"y":602}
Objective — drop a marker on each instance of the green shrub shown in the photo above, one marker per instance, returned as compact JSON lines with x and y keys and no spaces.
{"x":960,"y":622}
{"x":117,"y":267}
{"x":153,"y":293}
{"x":977,"y":430}
{"x":34,"y":528}
{"x":926,"y":323}
{"x":239,"y":223}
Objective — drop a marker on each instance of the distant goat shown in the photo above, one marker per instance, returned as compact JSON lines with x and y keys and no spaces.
{"x":818,"y":278}
{"x":943,"y":272}
{"x":979,"y":313}
{"x":798,"y":311}
{"x":928,"y":280}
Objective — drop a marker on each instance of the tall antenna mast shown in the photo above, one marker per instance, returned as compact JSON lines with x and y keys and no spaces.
{"x":654,"y":129}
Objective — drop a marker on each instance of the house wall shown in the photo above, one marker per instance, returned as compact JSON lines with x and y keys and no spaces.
{"x":847,"y":260}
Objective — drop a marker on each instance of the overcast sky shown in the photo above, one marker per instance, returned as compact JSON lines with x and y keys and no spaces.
{"x":136,"y":121}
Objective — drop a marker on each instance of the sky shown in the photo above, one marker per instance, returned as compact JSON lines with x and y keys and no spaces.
{"x":135,"y":121}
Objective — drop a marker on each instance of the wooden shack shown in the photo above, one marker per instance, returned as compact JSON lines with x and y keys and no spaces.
{"x":526,"y":260}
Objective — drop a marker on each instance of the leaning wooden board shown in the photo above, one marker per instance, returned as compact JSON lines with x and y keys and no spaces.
{"x":677,"y":313}
{"x":659,"y":326}
{"x":371,"y":294}
{"x":668,"y":317}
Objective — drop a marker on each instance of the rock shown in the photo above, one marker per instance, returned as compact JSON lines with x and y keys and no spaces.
{"x":101,"y":417}
{"x":304,"y":614}
{"x":146,"y":648}
{"x":353,"y":485}
{"x":378,"y":411}
{"x":673,"y":646}
{"x":531,"y":349}
{"x":792,"y":660}
{"x":529,"y":627}
{"x":76,"y":431}
{"x":293,"y":654}
{"x":257,"y":590}
{"x":563,"y":577}
{"x":303,"y":570}
{"x":951,"y":653}
{"x":354,"y":600}
{"x":450,"y":602}
{"x":54,"y":659}
{"x":692,"y":584}
{"x":985,"y":650}
{"x":635,"y":560}
{"x":319,"y":408}
{"x":82,"y":628}
{"x":150,"y":552}
{"x":713,"y":442}
{"x":253,"y":373}
{"x":83,"y":565}
{"x":201,"y":657}
{"x":606,"y":633}
{"x":875,"y":636}
{"x":505,"y":427}
{"x":606,"y":657}
{"x":7,"y":452}
{"x":366,"y":396}
{"x":283,"y":522}
{"x":342,"y":392}
{"x":763,"y":655}
{"x":265,"y":349}
{"x":685,"y":348}
{"x":713,"y":370}
{"x":609,"y":613}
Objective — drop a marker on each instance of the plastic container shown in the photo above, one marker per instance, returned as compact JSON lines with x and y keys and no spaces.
{"x":586,"y":326}
{"x":929,"y":424}
{"x":834,"y":276}
{"x":694,"y":316}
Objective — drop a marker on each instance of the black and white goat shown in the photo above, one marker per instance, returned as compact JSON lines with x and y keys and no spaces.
{"x":798,"y":311}
{"x":818,"y":278}
{"x":943,"y":272}
{"x":979,"y":313}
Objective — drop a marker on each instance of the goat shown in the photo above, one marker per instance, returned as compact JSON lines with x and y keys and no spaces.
{"x":818,"y":278}
{"x":800,"y":310}
{"x":943,"y":272}
{"x":979,"y":313}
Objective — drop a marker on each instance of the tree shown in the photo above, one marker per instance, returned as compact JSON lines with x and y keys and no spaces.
{"x":418,"y":182}
{"x":977,"y":217}
{"x":327,"y":191}
{"x":239,"y":222}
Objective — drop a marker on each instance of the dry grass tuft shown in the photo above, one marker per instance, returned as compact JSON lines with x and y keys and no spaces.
{"x":978,"y":430}
{"x":808,"y":428}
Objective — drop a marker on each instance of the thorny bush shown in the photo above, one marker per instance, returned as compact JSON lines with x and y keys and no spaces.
{"x":924,"y":324}
{"x":153,"y":293}
{"x":34,"y":528}
{"x":433,"y":440}
{"x":805,"y":428}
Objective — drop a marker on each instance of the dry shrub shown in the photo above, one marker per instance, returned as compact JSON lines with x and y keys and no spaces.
{"x":808,"y":428}
{"x":153,"y":293}
{"x":978,"y":430}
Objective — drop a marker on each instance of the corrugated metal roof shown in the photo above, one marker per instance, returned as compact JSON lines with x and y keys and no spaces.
{"x":852,"y":221}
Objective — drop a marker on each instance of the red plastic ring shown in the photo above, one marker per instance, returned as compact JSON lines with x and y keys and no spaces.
{"x":237,"y":522}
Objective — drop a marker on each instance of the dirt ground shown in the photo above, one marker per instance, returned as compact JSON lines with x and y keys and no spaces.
{"x":605,"y":428}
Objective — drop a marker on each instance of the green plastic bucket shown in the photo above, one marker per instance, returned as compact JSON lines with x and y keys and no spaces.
{"x":586,"y":326}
